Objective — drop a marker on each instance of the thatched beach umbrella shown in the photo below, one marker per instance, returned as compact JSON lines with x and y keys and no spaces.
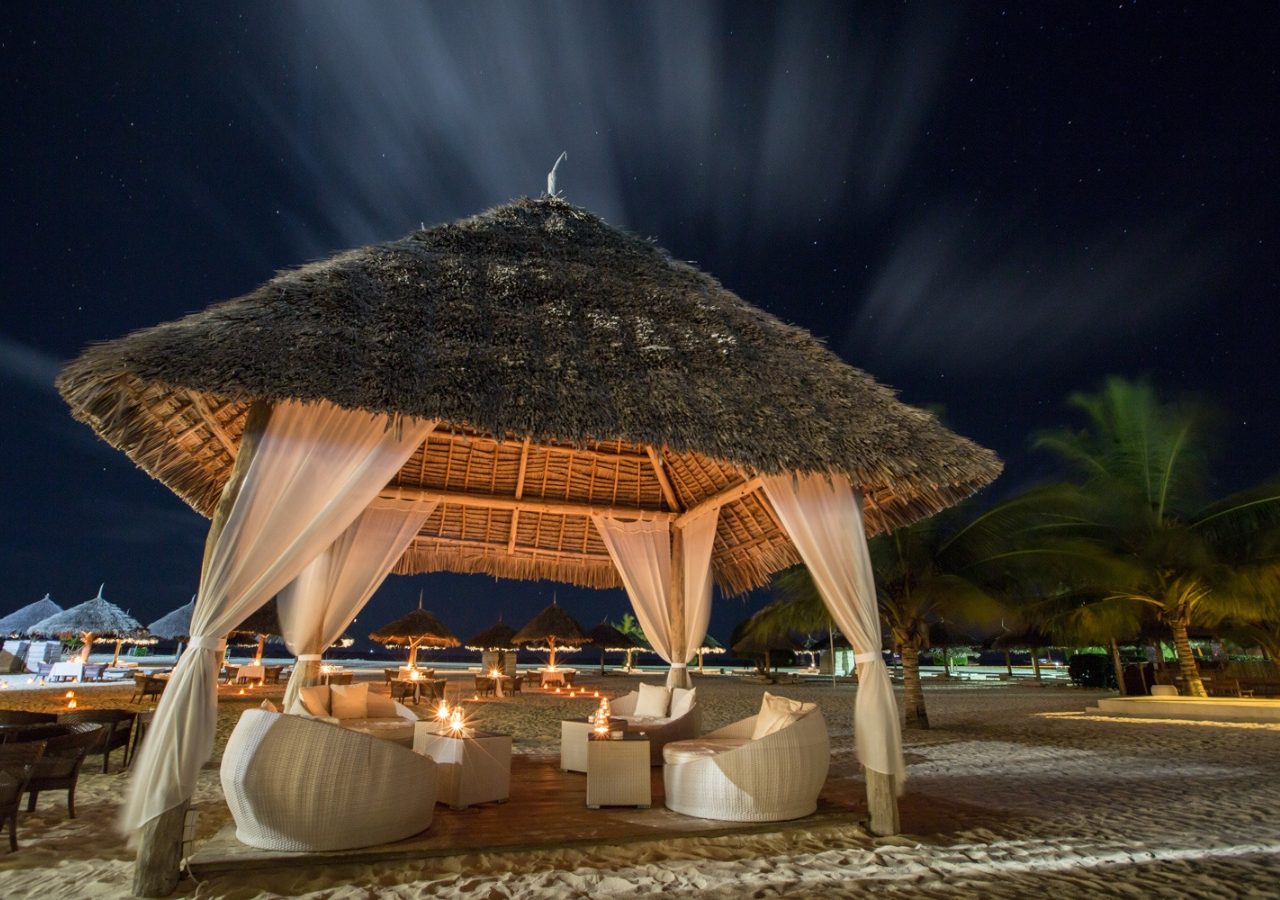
{"x":93,"y":619}
{"x":554,"y":629}
{"x":609,"y":640}
{"x":17,"y":623}
{"x":572,"y":371}
{"x":175,"y":625}
{"x":496,"y":639}
{"x":417,"y":629}
{"x":261,"y":624}
{"x":709,"y":645}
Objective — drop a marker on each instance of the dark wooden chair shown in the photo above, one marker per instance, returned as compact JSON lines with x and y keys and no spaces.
{"x":484,"y":685}
{"x":145,"y":686}
{"x":17,"y":764}
{"x":517,"y":682}
{"x":94,"y":671}
{"x":59,"y":767}
{"x":229,"y":673}
{"x":568,"y":678}
{"x":22,"y":717}
{"x":433,"y":689}
{"x":43,"y":669}
{"x":339,"y":678}
{"x":117,"y":730}
{"x":271,"y":674}
{"x":404,"y":690}
{"x":390,"y":675}
{"x":139,"y":732}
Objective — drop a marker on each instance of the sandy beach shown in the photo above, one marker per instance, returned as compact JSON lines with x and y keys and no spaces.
{"x":1023,"y":792}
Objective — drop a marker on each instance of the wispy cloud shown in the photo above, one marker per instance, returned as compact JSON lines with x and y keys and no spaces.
{"x":28,"y":365}
{"x":963,"y":292}
{"x":403,"y":112}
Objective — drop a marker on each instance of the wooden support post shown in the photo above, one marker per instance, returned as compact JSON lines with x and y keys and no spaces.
{"x":155,"y":869}
{"x":678,"y":677}
{"x":882,"y":803}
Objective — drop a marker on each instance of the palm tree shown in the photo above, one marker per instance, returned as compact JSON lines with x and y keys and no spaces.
{"x":1135,"y":529}
{"x":926,"y":571}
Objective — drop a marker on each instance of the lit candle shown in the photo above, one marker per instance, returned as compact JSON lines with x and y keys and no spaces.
{"x":455,"y":722}
{"x":442,"y":712}
{"x":70,"y":694}
{"x":71,"y":704}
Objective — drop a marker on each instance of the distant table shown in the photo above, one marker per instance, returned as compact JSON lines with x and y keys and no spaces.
{"x":618,"y":772}
{"x":474,"y":769}
{"x":406,"y":672}
{"x":554,"y":676}
{"x":251,"y":673}
{"x":66,"y":671}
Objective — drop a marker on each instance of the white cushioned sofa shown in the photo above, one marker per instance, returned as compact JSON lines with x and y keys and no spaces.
{"x":674,"y":716}
{"x":728,"y":775}
{"x":357,"y":708}
{"x":296,"y":783}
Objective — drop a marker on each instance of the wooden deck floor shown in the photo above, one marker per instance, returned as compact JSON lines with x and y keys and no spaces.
{"x":548,"y":809}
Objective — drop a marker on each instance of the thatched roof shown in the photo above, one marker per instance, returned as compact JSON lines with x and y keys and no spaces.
{"x":570,"y":365}
{"x":497,"y":637}
{"x":606,"y":637}
{"x":553,"y":622}
{"x":97,"y":617}
{"x":418,"y":627}
{"x":174,"y":625}
{"x":17,"y":622}
{"x":264,"y":620}
{"x":711,"y":645}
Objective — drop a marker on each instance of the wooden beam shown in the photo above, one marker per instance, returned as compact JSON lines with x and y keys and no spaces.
{"x":515,"y":514}
{"x":207,"y":414}
{"x":527,"y":549}
{"x":667,"y":490}
{"x":724,"y":498}
{"x":393,"y":495}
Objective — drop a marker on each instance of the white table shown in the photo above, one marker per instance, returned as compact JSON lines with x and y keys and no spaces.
{"x":251,"y":673}
{"x":555,"y":676}
{"x":66,"y":671}
{"x":474,"y":769}
{"x":618,"y":773}
{"x":406,"y":673}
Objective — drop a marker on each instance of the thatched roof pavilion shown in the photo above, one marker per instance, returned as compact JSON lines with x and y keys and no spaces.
{"x":418,"y":628}
{"x":174,"y":625}
{"x":18,"y":622}
{"x":573,"y":367}
{"x":554,"y":629}
{"x":96,"y":619}
{"x":567,"y":395}
{"x":496,"y":637}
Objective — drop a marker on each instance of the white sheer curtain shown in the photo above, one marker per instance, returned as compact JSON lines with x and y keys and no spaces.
{"x":320,"y":603}
{"x":823,"y":516}
{"x":316,"y":469}
{"x":642,"y":553}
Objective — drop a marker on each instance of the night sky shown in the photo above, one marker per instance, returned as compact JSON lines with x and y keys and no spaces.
{"x":985,"y":207}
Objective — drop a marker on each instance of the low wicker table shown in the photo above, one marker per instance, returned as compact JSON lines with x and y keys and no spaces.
{"x":618,"y":772}
{"x":475,"y":769}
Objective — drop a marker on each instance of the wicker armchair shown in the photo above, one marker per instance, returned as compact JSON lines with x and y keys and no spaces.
{"x":271,"y":674}
{"x":300,"y":784}
{"x":574,"y":734}
{"x":22,"y":717}
{"x":484,"y":685}
{"x":117,"y":729}
{"x":727,"y":776}
{"x":17,"y":765}
{"x":59,"y":767}
{"x":145,"y":686}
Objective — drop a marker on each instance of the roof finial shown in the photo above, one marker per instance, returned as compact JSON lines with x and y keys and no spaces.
{"x":100,"y":587}
{"x":419,"y":598}
{"x":551,"y":176}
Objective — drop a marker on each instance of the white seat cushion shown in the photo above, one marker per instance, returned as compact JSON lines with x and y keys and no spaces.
{"x":381,"y":707}
{"x":636,"y":722}
{"x":682,"y":701}
{"x":653,"y":702}
{"x":699,"y":748}
{"x":397,"y":730}
{"x":349,"y":701}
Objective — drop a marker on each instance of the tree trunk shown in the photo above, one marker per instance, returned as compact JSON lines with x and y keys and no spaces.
{"x":1008,"y":663}
{"x":551,"y":660}
{"x":914,"y":714}
{"x":601,"y":660}
{"x":413,"y":656}
{"x":1187,"y":667}
{"x":946,"y":661}
{"x":1115,"y":663}
{"x":1035,"y":663}
{"x":257,"y":656}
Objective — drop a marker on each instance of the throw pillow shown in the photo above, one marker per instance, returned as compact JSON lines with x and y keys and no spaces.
{"x":269,"y":706}
{"x":381,"y":707}
{"x":653,"y":702}
{"x":776,"y":713}
{"x":682,"y":701}
{"x":315,"y":699}
{"x":349,"y":701}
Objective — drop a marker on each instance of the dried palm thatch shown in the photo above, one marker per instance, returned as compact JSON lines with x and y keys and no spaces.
{"x":610,"y":639}
{"x":417,"y":629}
{"x":572,"y":367}
{"x":497,"y":637}
{"x":554,"y":629}
{"x":18,"y":622}
{"x":174,"y":625}
{"x":96,"y":619}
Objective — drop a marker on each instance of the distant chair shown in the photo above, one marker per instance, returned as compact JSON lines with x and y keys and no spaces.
{"x":94,"y":671}
{"x":390,"y":675}
{"x":569,"y":675}
{"x":229,"y":673}
{"x":17,"y":764}
{"x":145,"y":686}
{"x":339,"y":678}
{"x":484,"y":685}
{"x":117,"y":730}
{"x":433,"y":689}
{"x":44,"y":669}
{"x":59,"y":767}
{"x":271,"y":674}
{"x":516,"y":682}
{"x":139,"y":732}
